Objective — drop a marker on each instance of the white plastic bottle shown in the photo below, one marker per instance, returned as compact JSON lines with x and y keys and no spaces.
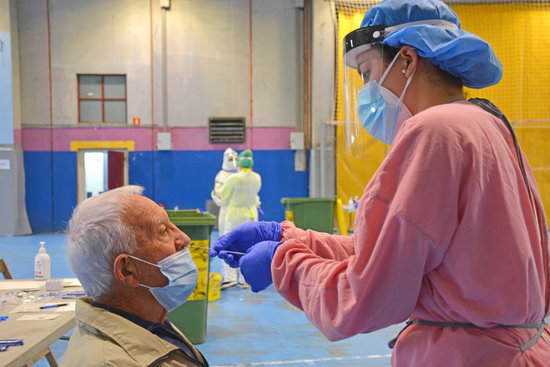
{"x":42,"y":267}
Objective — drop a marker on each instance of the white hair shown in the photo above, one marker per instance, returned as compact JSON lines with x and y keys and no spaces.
{"x":96,"y":235}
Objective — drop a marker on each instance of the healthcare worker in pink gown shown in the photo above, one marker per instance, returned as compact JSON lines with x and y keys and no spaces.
{"x":450,"y":233}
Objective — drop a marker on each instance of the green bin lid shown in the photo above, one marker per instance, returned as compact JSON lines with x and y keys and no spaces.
{"x":190,"y":217}
{"x":306,"y":200}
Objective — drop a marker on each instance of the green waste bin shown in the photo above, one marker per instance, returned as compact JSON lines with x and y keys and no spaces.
{"x":310,"y":213}
{"x":190,"y":317}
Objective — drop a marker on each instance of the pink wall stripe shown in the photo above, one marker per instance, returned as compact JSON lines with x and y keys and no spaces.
{"x":36,"y":139}
{"x":264,"y":138}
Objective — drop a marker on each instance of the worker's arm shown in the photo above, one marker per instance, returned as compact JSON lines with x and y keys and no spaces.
{"x":256,"y":264}
{"x":327,"y":246}
{"x":394,"y":244}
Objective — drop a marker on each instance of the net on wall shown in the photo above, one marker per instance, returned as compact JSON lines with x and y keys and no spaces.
{"x":519,"y":32}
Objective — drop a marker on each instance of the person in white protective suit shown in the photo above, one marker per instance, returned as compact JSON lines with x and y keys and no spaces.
{"x":240,"y":191}
{"x":229,"y":167}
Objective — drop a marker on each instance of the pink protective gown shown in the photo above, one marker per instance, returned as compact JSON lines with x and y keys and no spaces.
{"x":445,"y":231}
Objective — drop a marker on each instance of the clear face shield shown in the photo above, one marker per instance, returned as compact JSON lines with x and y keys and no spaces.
{"x":363,"y":62}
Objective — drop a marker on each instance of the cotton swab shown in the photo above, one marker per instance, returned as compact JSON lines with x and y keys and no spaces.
{"x":231,"y":252}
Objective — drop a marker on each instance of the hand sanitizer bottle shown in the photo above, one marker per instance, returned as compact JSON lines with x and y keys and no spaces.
{"x":42,"y":268}
{"x":350,"y":205}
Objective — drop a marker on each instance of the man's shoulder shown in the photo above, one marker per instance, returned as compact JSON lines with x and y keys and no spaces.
{"x":123,"y":344}
{"x":90,"y":340}
{"x":86,"y":349}
{"x":103,"y":338}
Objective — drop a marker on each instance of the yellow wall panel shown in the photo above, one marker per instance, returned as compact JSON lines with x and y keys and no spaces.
{"x":543,"y":182}
{"x":518,"y":34}
{"x":520,"y":37}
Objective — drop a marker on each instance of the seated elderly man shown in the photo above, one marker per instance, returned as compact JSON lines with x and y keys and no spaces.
{"x":135,"y":266}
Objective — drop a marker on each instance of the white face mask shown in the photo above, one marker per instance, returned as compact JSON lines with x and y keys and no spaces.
{"x":381,"y":112}
{"x":231,"y":166}
{"x":182,"y":273}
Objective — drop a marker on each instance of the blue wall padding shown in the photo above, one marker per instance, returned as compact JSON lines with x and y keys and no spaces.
{"x":140,"y":171}
{"x":173,"y":178}
{"x":38,"y":190}
{"x":279,"y":179}
{"x":65,"y":188}
{"x":185,"y":178}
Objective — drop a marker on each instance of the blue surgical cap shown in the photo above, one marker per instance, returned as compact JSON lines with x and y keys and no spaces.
{"x":456,"y":51}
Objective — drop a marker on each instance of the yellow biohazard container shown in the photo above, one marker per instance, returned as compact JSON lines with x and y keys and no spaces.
{"x":191,"y":317}
{"x":214,"y":286}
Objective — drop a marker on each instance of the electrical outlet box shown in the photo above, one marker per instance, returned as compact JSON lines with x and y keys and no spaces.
{"x":164,"y":141}
{"x":297,"y":140}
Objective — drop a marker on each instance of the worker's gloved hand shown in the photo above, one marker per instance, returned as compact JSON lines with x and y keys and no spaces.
{"x":242,"y":238}
{"x":230,"y":259}
{"x":260,"y":211}
{"x":256,"y":265}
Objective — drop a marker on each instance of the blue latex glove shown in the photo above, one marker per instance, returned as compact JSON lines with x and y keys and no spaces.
{"x":256,"y":265}
{"x":242,"y":238}
{"x":260,"y":211}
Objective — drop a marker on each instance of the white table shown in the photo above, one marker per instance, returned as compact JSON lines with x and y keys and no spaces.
{"x":37,"y":335}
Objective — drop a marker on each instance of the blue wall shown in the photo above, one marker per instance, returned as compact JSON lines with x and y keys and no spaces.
{"x":173,"y":178}
{"x":38,"y":190}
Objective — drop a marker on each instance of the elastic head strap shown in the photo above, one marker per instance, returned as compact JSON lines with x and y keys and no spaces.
{"x":388,"y":69}
{"x":145,"y":261}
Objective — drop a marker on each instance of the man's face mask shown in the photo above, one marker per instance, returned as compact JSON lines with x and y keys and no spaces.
{"x":182,"y":273}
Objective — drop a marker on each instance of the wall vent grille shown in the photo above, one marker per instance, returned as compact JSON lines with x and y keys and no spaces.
{"x":224,"y":130}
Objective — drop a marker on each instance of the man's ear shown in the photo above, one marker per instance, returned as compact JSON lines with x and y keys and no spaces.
{"x":124,"y":270}
{"x":410,"y":59}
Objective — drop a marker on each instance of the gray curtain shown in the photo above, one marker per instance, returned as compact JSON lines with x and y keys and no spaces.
{"x":13,"y":213}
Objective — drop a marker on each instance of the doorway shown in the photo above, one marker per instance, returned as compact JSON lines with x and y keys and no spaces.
{"x":101,"y":170}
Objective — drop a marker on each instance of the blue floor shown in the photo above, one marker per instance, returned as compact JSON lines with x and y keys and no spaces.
{"x":243,"y":329}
